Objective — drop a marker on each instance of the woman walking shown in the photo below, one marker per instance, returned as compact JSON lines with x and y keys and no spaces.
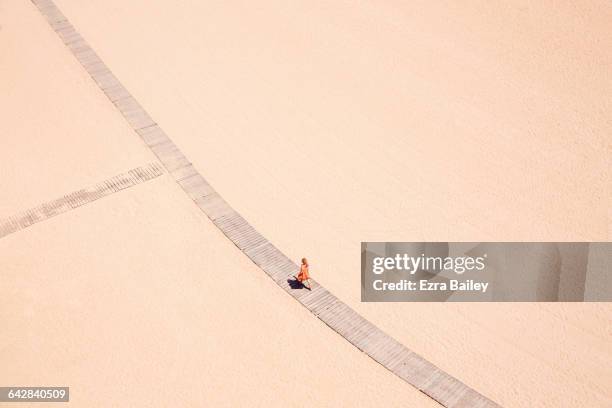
{"x":304,"y":276}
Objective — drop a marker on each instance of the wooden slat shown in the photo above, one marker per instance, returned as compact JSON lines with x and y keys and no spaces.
{"x":333,"y":312}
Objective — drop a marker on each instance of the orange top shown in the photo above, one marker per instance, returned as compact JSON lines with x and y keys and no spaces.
{"x":303,"y":275}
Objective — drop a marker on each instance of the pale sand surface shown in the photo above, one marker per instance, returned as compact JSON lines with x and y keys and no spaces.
{"x":58,"y":132}
{"x":137,"y":299}
{"x":163,"y":311}
{"x":327,"y":125}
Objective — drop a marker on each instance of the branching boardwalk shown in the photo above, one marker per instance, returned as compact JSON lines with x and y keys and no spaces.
{"x":78,"y":198}
{"x":415,"y":370}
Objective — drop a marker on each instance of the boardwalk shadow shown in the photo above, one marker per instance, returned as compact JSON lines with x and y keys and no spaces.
{"x":295,"y":284}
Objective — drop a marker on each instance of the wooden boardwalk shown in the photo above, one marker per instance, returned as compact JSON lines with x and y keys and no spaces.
{"x":78,"y":198}
{"x":415,"y":370}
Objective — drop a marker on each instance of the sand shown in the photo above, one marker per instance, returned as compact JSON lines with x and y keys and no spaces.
{"x":163,"y":313}
{"x":59,"y":133}
{"x":327,"y":125}
{"x":137,"y":299}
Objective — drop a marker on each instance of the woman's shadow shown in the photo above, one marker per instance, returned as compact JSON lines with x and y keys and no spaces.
{"x":295,"y":284}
